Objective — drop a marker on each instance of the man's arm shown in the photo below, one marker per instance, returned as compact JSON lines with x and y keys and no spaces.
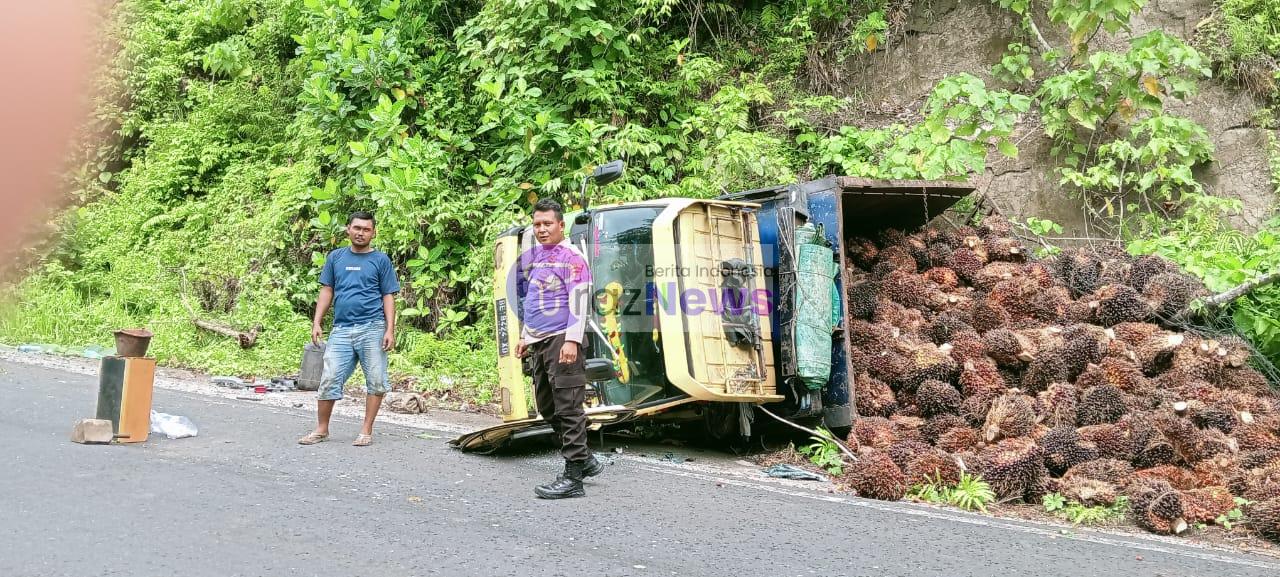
{"x":579,"y":309}
{"x":390,"y":285}
{"x":322,"y":306}
{"x":522,"y":290}
{"x":325,"y":299}
{"x":389,"y":313}
{"x":579,"y":301}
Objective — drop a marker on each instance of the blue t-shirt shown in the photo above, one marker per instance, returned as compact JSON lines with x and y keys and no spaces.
{"x":359,"y":281}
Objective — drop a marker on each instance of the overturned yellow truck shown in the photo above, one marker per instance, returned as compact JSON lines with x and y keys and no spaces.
{"x":706,"y":309}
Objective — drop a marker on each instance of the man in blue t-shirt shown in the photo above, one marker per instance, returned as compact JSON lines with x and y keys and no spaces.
{"x":361,"y":284}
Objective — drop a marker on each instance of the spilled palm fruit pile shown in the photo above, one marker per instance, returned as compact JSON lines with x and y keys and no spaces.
{"x":1060,"y":375}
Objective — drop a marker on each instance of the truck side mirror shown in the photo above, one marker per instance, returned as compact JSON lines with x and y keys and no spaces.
{"x":608,"y":172}
{"x":603,"y":174}
{"x":599,"y":370}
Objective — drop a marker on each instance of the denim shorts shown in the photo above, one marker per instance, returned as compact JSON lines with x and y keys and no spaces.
{"x":347,"y":345}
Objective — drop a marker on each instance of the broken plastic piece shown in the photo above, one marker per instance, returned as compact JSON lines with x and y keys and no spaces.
{"x":233,"y":382}
{"x":785,"y":471}
{"x":172,"y":426}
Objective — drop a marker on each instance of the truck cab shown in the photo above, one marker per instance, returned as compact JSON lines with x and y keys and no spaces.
{"x":699,"y":304}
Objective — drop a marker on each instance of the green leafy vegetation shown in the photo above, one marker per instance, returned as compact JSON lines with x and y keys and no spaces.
{"x":1120,"y":150}
{"x":1235,"y":515}
{"x":825,"y":452}
{"x":1130,"y":161}
{"x":1015,"y":66}
{"x":242,"y":132}
{"x":1243,"y":39}
{"x":1204,"y":244}
{"x":963,"y":122}
{"x":1079,"y":514}
{"x":971,"y":493}
{"x":245,"y":131}
{"x":1117,"y":143}
{"x":1040,"y":228}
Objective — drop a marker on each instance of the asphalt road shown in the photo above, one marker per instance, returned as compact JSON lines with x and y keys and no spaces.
{"x":243,"y":499}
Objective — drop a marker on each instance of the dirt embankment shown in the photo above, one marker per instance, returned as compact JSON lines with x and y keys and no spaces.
{"x":946,"y":37}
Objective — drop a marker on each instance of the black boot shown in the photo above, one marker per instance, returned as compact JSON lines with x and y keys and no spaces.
{"x":592,"y":466}
{"x":568,"y":484}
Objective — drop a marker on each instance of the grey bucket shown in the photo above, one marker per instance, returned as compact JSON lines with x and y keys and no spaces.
{"x":312,"y":367}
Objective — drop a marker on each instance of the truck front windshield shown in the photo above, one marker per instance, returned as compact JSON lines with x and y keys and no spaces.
{"x":625,"y":328}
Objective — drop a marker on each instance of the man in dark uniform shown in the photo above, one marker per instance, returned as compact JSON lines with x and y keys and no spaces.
{"x":555,"y":288}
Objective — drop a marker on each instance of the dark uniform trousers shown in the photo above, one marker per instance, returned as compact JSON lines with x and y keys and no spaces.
{"x":560,"y":389}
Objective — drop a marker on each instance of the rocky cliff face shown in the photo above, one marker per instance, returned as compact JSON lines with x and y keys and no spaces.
{"x":946,"y":37}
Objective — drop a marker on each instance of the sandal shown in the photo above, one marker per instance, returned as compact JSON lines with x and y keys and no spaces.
{"x":363,"y":440}
{"x":312,"y":438}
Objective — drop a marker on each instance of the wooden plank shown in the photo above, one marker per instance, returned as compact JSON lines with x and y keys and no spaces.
{"x":135,"y":405}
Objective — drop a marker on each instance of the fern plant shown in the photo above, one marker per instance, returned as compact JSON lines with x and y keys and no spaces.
{"x":971,"y":493}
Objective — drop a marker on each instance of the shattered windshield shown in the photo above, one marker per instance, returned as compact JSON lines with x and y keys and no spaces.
{"x":625,"y":326}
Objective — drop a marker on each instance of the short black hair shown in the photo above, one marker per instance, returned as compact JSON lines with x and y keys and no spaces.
{"x":551,"y":205}
{"x":361,"y":215}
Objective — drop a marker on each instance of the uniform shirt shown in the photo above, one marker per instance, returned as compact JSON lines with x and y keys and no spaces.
{"x":554,"y":284}
{"x":359,"y":280}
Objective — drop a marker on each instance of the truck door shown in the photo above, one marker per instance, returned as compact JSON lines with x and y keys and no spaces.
{"x":712,"y":303}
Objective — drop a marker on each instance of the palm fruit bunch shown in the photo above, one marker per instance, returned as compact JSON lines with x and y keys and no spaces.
{"x":1064,"y":374}
{"x":876,"y":476}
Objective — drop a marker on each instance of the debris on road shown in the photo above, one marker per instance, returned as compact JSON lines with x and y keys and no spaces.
{"x":230,"y":382}
{"x":282,"y":385}
{"x":785,"y":471}
{"x":411,"y":403}
{"x":672,"y":457}
{"x":172,"y":426}
{"x":88,"y":352}
{"x":92,"y":432}
{"x":276,"y":385}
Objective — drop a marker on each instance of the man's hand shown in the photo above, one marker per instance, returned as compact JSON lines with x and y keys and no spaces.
{"x":521,"y":348}
{"x":569,"y":352}
{"x":317,"y":334}
{"x":388,"y":340}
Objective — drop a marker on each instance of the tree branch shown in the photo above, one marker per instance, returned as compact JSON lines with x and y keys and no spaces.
{"x":245,"y":339}
{"x":1240,"y":290}
{"x":1230,"y":295}
{"x":1031,"y":23}
{"x":852,"y":456}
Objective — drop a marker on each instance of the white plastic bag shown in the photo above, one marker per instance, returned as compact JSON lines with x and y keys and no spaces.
{"x":172,"y":426}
